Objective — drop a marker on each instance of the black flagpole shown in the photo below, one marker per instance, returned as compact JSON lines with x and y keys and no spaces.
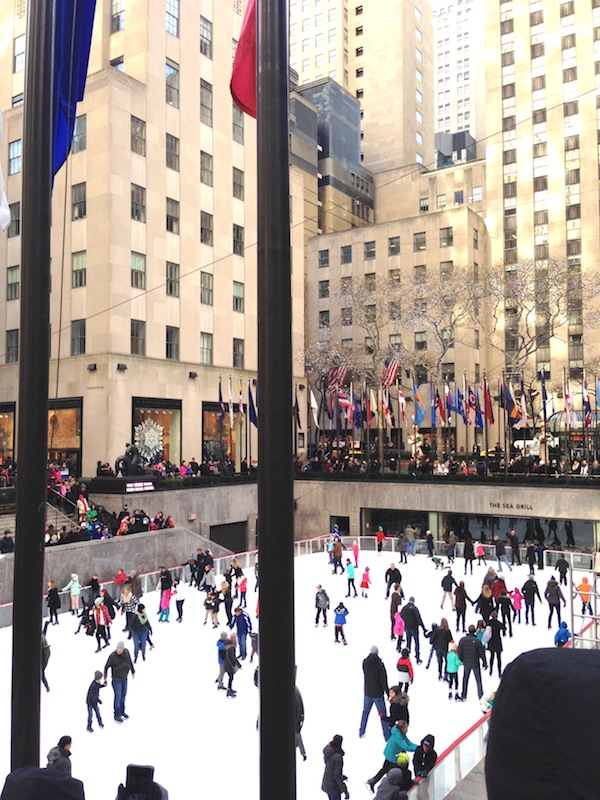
{"x":33,"y":388}
{"x":275,"y":481}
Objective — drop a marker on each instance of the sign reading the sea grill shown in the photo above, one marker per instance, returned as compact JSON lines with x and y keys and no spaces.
{"x":511,"y":506}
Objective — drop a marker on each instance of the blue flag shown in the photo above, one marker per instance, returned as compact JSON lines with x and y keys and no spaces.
{"x":253,"y":416}
{"x":72,"y":40}
{"x":432,"y":402}
{"x":460,"y":406}
{"x":221,"y":406}
{"x":478,"y":416}
{"x":420,"y":410}
{"x":356,"y":413}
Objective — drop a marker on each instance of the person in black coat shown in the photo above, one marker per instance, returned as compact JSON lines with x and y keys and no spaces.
{"x":398,"y":707}
{"x":471,"y":652}
{"x":412,"y":622}
{"x":334,"y":780}
{"x":530,"y":591}
{"x":425,"y":757}
{"x":376,"y":686}
{"x":469,"y":554}
{"x":58,"y":757}
{"x":494,"y":644}
{"x":440,"y":639}
{"x":392,"y":576}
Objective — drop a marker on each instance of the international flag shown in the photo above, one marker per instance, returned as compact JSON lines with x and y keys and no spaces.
{"x":335,"y":380}
{"x":470,"y":404}
{"x":510,"y":404}
{"x":252,"y":414}
{"x":241,"y":402}
{"x":243,"y":75}
{"x":367,"y":412}
{"x":587,"y":408}
{"x":297,"y":411}
{"x":440,"y":407}
{"x":356,"y":413}
{"x":4,"y":209}
{"x":314,"y":408}
{"x":524,"y":404}
{"x":73,"y":24}
{"x":544,"y":397}
{"x":478,"y":416}
{"x":221,"y":406}
{"x":487,"y":400}
{"x":401,"y":404}
{"x":432,"y":403}
{"x":390,"y":371}
{"x":420,"y":410}
{"x":343,"y":401}
{"x":385,"y":406}
{"x":597,"y":391}
{"x":460,"y":406}
{"x":450,"y":401}
{"x":374,"y":405}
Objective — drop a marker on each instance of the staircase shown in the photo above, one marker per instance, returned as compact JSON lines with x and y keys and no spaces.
{"x":53,"y":517}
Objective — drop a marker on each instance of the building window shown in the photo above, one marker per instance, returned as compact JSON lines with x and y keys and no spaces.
{"x":206,"y":102}
{"x":138,"y":270}
{"x":536,"y":18}
{"x":370,"y":313}
{"x":238,"y":354}
{"x":440,"y":202}
{"x":238,"y":183}
{"x":238,"y":125}
{"x":345,"y":254}
{"x":507,"y":26}
{"x":172,"y":279}
{"x":14,"y":157}
{"x":138,"y":136}
{"x":568,"y":41}
{"x":421,"y":340}
{"x":172,"y":83}
{"x":571,"y":108}
{"x":346,"y":345}
{"x":346,"y":315}
{"x":394,"y":275}
{"x":206,"y":288}
{"x":459,"y":197}
{"x":323,"y":319}
{"x":538,"y":50}
{"x":78,"y":337}
{"x":206,"y":168}
{"x":17,"y":100}
{"x":206,"y":348}
{"x":172,"y":215}
{"x":172,"y":151}
{"x":206,"y":37}
{"x":14,"y":229}
{"x":206,"y":228}
{"x":475,"y":239}
{"x":394,"y":246}
{"x":323,"y":289}
{"x":78,"y":270}
{"x":369,"y":251}
{"x":419,"y":241}
{"x":238,"y":240}
{"x":538,"y":82}
{"x":569,"y":74}
{"x":477,"y":194}
{"x":172,"y":17}
{"x":566,"y":9}
{"x":117,"y":16}
{"x":323,"y":258}
{"x":138,"y":203}
{"x":540,"y":184}
{"x":78,"y":201}
{"x":573,"y":211}
{"x":19,"y":54}
{"x":137,"y":337}
{"x":12,"y":346}
{"x":238,"y":297}
{"x":13,"y":283}
{"x":118,"y":63}
{"x":359,"y":30}
{"x":424,"y":205}
{"x":80,"y":134}
{"x":172,"y":343}
{"x":395,"y":310}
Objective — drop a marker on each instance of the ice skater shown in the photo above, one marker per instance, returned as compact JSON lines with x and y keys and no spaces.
{"x":341,"y":612}
{"x":350,"y":576}
{"x":53,"y":602}
{"x":93,"y":700}
{"x":365,"y":583}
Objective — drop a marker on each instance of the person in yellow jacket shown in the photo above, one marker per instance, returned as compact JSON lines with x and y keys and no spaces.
{"x":584,"y":590}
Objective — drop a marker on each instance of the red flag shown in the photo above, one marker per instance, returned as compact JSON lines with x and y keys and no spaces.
{"x":243,"y":74}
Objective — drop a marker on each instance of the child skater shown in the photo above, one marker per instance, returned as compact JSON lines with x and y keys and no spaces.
{"x":517,"y":601}
{"x":165,"y":604}
{"x":355,"y":552}
{"x":452,"y":666}
{"x":243,"y":587}
{"x":365,"y":583}
{"x":341,"y":612}
{"x":93,"y":699}
{"x":254,"y":643}
{"x":399,"y":628}
{"x":405,"y":668}
{"x":350,"y":576}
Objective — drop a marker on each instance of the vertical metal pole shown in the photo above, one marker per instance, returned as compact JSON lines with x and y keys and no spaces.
{"x":275,"y":483}
{"x":33,"y":387}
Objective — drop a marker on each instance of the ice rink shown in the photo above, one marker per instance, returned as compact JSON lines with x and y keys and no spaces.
{"x":203,"y":743}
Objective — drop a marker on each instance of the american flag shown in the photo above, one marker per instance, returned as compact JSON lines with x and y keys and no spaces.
{"x":336,"y":377}
{"x":390,"y":370}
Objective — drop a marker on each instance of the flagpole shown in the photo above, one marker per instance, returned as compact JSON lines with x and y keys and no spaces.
{"x":275,"y":483}
{"x":486,"y":443}
{"x":505,"y":424}
{"x":465,"y":420}
{"x":295,"y":421}
{"x":33,"y":387}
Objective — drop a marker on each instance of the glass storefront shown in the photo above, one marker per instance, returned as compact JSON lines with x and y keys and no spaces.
{"x":7,"y":432}
{"x":156,"y":429}
{"x":553,"y":533}
{"x":219,"y":439}
{"x":64,"y":433}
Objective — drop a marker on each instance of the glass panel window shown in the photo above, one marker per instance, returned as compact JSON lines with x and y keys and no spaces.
{"x":78,"y":201}
{"x":238,"y":125}
{"x":117,"y":16}
{"x":12,"y":346}
{"x":206,"y":288}
{"x":346,"y":315}
{"x":172,"y":152}
{"x":323,"y":289}
{"x":206,"y":168}
{"x":421,"y":340}
{"x":238,"y":183}
{"x":238,"y":354}
{"x":206,"y":102}
{"x":172,"y":215}
{"x":172,"y":343}
{"x":14,"y":228}
{"x":419,"y":241}
{"x":370,"y":313}
{"x":206,"y":348}
{"x":206,"y":37}
{"x":206,"y":228}
{"x":19,"y":54}
{"x":238,"y":240}
{"x":138,"y":270}
{"x":137,"y":341}
{"x":172,"y":83}
{"x":238,"y":296}
{"x":138,"y":136}
{"x":346,"y":254}
{"x":14,"y":157}
{"x":78,"y":337}
{"x":138,"y":203}
{"x":323,"y":258}
{"x":80,"y":134}
{"x":446,"y":237}
{"x":323,"y":319}
{"x":172,"y":279}
{"x":78,"y":269}
{"x":172,"y":17}
{"x":13,"y":283}
{"x":369,"y":250}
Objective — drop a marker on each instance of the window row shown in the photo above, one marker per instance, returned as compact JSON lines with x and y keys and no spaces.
{"x":369,"y":250}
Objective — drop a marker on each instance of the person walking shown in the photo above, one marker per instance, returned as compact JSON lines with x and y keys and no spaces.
{"x":141,"y":631}
{"x":554,"y":597}
{"x":440,"y":640}
{"x":227,"y":600}
{"x":222,"y":642}
{"x":430,"y":543}
{"x":120,"y":664}
{"x":485,"y":603}
{"x":562,"y":635}
{"x":515,"y":553}
{"x":410,"y":540}
{"x":412,"y":622}
{"x":530,"y":556}
{"x":406,"y":673}
{"x":334,"y":780}
{"x":398,"y":707}
{"x":350,"y":577}
{"x":448,"y":583}
{"x":402,"y":547}
{"x":500,"y":548}
{"x":507,"y":609}
{"x":165,"y":604}
{"x":562,"y":567}
{"x":74,"y":589}
{"x":530,"y":591}
{"x":45,"y":653}
{"x":92,"y":700}
{"x":453,"y":665}
{"x":321,"y":604}
{"x":517,"y":601}
{"x":355,"y":552}
{"x":392,"y":576}
{"x":375,"y":688}
{"x":338,"y":549}
{"x":129,"y":603}
{"x":472,"y":654}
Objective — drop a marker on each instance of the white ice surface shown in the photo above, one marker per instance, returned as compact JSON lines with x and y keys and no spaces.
{"x":200,"y":741}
